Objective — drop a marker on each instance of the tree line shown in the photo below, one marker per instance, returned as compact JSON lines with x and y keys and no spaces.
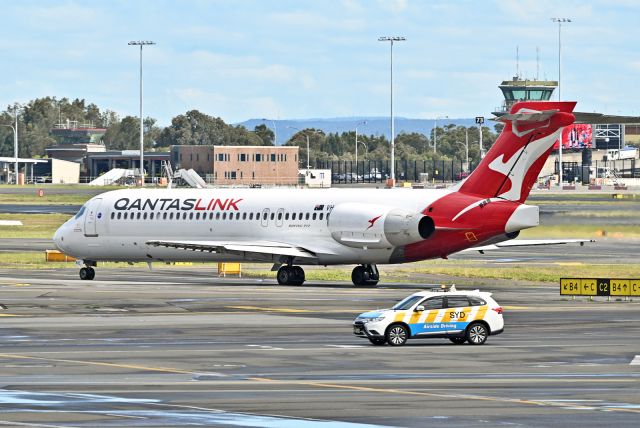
{"x":39,"y":116}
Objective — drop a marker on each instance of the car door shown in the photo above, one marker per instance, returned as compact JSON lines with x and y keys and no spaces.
{"x":457,"y":314}
{"x":429,"y":320}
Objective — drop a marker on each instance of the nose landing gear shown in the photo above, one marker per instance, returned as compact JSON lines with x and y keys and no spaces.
{"x":87,"y":273}
{"x":365,"y":275}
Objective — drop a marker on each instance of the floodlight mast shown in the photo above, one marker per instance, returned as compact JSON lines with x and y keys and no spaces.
{"x":560,"y":21}
{"x":141,"y":43}
{"x":392,"y":39}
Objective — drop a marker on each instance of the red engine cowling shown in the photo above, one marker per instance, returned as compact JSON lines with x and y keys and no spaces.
{"x":377,"y":226}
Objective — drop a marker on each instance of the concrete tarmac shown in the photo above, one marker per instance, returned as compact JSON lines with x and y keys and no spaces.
{"x":179,"y":346}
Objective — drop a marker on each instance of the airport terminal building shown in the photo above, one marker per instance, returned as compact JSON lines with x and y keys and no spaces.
{"x":239,"y":165}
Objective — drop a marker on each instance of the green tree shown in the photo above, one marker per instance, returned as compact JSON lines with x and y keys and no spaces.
{"x":124,"y":135}
{"x":266,"y":135}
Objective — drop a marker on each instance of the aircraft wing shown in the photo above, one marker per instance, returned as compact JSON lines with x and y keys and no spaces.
{"x":525,"y":243}
{"x":255,"y":249}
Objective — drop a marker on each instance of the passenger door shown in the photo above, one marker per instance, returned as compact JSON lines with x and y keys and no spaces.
{"x":91,"y":217}
{"x":265,"y":217}
{"x":279,"y":216}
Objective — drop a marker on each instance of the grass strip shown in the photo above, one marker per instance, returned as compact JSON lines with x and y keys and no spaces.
{"x":587,"y":231}
{"x":41,"y":226}
{"x":47,"y":199}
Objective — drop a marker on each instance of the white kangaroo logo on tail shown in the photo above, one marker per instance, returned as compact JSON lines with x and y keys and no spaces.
{"x":522,"y":159}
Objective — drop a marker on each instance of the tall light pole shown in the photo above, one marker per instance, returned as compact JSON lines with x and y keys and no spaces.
{"x":306,"y":134}
{"x":392,"y":39}
{"x":141,"y":43}
{"x":14,"y":128}
{"x":435,"y":132}
{"x":275,"y":130}
{"x":363,"y":123}
{"x":560,"y":21}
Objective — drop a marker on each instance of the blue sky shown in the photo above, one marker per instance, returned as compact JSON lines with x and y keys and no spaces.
{"x":302,"y":59}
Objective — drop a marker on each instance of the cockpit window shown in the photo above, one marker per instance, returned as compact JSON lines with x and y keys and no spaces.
{"x":80,"y":213}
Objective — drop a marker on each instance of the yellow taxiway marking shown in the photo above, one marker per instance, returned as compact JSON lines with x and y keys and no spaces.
{"x":258,"y":308}
{"x":443,"y":395}
{"x":330,"y":385}
{"x":9,"y":315}
{"x":98,"y":363}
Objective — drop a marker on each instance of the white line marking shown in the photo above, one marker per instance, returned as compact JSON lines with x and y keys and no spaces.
{"x":345,"y":346}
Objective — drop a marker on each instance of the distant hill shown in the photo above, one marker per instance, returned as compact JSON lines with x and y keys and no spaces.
{"x":374,"y":126}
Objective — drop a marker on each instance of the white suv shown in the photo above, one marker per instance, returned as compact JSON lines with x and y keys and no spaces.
{"x":460,"y":316}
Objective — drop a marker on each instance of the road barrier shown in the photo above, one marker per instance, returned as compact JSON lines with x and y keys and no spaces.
{"x":607,"y":287}
{"x":225,"y":269}
{"x":57,"y":256}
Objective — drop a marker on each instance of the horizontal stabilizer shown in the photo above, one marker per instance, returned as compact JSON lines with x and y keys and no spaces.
{"x":526,"y":243}
{"x":527,"y":117}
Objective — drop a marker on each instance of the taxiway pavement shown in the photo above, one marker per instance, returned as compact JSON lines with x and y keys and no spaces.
{"x":180,"y":346}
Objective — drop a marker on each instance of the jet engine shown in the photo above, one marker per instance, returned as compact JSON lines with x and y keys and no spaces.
{"x":377,"y":226}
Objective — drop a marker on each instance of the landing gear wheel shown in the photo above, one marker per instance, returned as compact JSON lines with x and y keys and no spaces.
{"x":290,"y":275}
{"x":378,"y":341}
{"x":397,"y":335}
{"x":477,"y":334}
{"x":87,"y":273}
{"x":298,"y":274}
{"x":284,"y":275}
{"x":458,"y":340}
{"x":358,"y":275}
{"x":365,"y":275}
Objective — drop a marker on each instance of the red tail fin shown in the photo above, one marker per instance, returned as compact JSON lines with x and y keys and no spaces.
{"x":511,"y":167}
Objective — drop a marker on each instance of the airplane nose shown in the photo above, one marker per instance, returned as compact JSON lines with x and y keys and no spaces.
{"x":58,"y":238}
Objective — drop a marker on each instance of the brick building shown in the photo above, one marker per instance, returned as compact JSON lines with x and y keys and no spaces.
{"x":240,"y":165}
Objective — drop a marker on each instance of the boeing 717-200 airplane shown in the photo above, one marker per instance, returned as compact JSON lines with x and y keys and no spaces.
{"x":290,"y":228}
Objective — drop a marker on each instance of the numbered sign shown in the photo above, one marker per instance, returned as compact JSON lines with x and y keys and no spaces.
{"x":619,"y":287}
{"x":600,"y":287}
{"x":570,"y":287}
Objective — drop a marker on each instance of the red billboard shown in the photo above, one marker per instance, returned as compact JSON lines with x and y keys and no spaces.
{"x":576,"y":136}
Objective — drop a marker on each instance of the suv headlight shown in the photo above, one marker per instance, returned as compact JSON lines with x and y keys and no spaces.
{"x":377,"y":319}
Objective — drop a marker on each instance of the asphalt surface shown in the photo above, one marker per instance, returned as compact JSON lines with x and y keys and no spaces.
{"x":39,"y":209}
{"x":180,"y":346}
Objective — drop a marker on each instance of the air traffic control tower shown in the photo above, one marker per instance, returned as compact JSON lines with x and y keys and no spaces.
{"x":519,"y":89}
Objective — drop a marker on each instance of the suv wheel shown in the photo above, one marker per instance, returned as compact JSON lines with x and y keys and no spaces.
{"x":397,"y":335}
{"x":477,"y":333}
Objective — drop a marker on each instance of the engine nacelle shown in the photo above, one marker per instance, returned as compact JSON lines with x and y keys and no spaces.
{"x":377,"y":226}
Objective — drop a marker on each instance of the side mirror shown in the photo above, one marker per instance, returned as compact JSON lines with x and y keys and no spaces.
{"x":419,"y":308}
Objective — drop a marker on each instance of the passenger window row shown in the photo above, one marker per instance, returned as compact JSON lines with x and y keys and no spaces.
{"x":218,"y":216}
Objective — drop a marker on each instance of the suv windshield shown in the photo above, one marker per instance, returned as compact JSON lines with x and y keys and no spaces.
{"x":407,"y":303}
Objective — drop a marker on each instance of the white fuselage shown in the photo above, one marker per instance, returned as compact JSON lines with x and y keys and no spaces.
{"x":116,"y":226}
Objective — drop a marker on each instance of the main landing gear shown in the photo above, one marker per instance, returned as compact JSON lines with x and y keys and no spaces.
{"x":290,"y":275}
{"x":87,"y":273}
{"x":365,"y":275}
